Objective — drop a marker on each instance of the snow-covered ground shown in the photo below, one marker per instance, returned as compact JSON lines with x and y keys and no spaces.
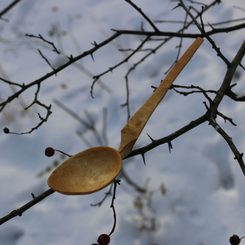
{"x":204,"y":198}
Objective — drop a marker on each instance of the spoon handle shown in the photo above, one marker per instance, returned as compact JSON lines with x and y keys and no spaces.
{"x":132,"y":130}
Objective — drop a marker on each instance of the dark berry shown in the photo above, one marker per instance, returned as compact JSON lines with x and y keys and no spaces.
{"x":49,"y":151}
{"x":235,"y":240}
{"x":6,"y":130}
{"x":103,"y":239}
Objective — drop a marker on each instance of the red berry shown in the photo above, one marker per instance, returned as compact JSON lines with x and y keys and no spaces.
{"x":6,"y":130}
{"x":235,"y":240}
{"x":103,"y":239}
{"x":49,"y":151}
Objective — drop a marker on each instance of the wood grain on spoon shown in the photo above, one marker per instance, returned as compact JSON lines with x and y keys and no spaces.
{"x":132,"y":130}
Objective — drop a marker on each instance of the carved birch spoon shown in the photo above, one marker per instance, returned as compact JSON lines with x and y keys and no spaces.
{"x":93,"y":169}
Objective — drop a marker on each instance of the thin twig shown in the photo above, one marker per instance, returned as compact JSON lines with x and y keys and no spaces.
{"x":60,"y":68}
{"x":10,"y":6}
{"x":44,"y":40}
{"x":204,"y":33}
{"x":116,"y":183}
{"x":225,"y":86}
{"x":107,"y":194}
{"x":228,"y":139}
{"x":143,"y":14}
{"x":46,"y":59}
{"x":131,"y":182}
{"x":22,"y":209}
{"x":180,"y":33}
{"x":212,"y":24}
{"x":112,"y":68}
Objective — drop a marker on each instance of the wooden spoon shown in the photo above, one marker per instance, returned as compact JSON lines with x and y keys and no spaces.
{"x":93,"y":169}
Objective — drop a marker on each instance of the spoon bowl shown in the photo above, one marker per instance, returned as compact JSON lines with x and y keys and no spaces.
{"x":87,"y":171}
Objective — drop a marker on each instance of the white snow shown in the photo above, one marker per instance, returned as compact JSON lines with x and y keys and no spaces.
{"x":204,"y":199}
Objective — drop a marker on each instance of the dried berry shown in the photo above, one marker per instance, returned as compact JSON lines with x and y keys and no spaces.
{"x":103,"y":239}
{"x":49,"y":151}
{"x":6,"y":130}
{"x":235,"y":240}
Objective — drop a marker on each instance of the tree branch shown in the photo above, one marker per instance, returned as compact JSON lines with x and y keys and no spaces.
{"x":228,"y":139}
{"x":10,"y":6}
{"x":22,"y":209}
{"x":225,"y":86}
{"x":143,"y":14}
{"x":180,"y":34}
{"x":170,"y":137}
{"x":72,"y":60}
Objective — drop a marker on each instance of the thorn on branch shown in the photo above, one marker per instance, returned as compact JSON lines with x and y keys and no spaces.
{"x":211,"y":26}
{"x":92,"y":56}
{"x":232,"y":85}
{"x":239,"y":157}
{"x":142,"y":26}
{"x":170,"y":146}
{"x":95,"y":44}
{"x":143,"y":157}
{"x":205,"y":104}
{"x":41,"y":118}
{"x":124,"y":104}
{"x":177,"y":6}
{"x":153,"y":140}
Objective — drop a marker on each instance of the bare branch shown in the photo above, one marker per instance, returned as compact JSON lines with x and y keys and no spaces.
{"x":202,"y":30}
{"x":96,"y":77}
{"x":46,"y":60}
{"x":10,"y":6}
{"x":107,"y":194}
{"x":22,"y":209}
{"x":11,"y":83}
{"x":165,"y":140}
{"x":225,"y":86}
{"x":180,"y":33}
{"x":213,"y":24}
{"x":116,"y":183}
{"x":143,"y":14}
{"x":44,"y":40}
{"x":228,"y":139}
{"x":60,"y":68}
